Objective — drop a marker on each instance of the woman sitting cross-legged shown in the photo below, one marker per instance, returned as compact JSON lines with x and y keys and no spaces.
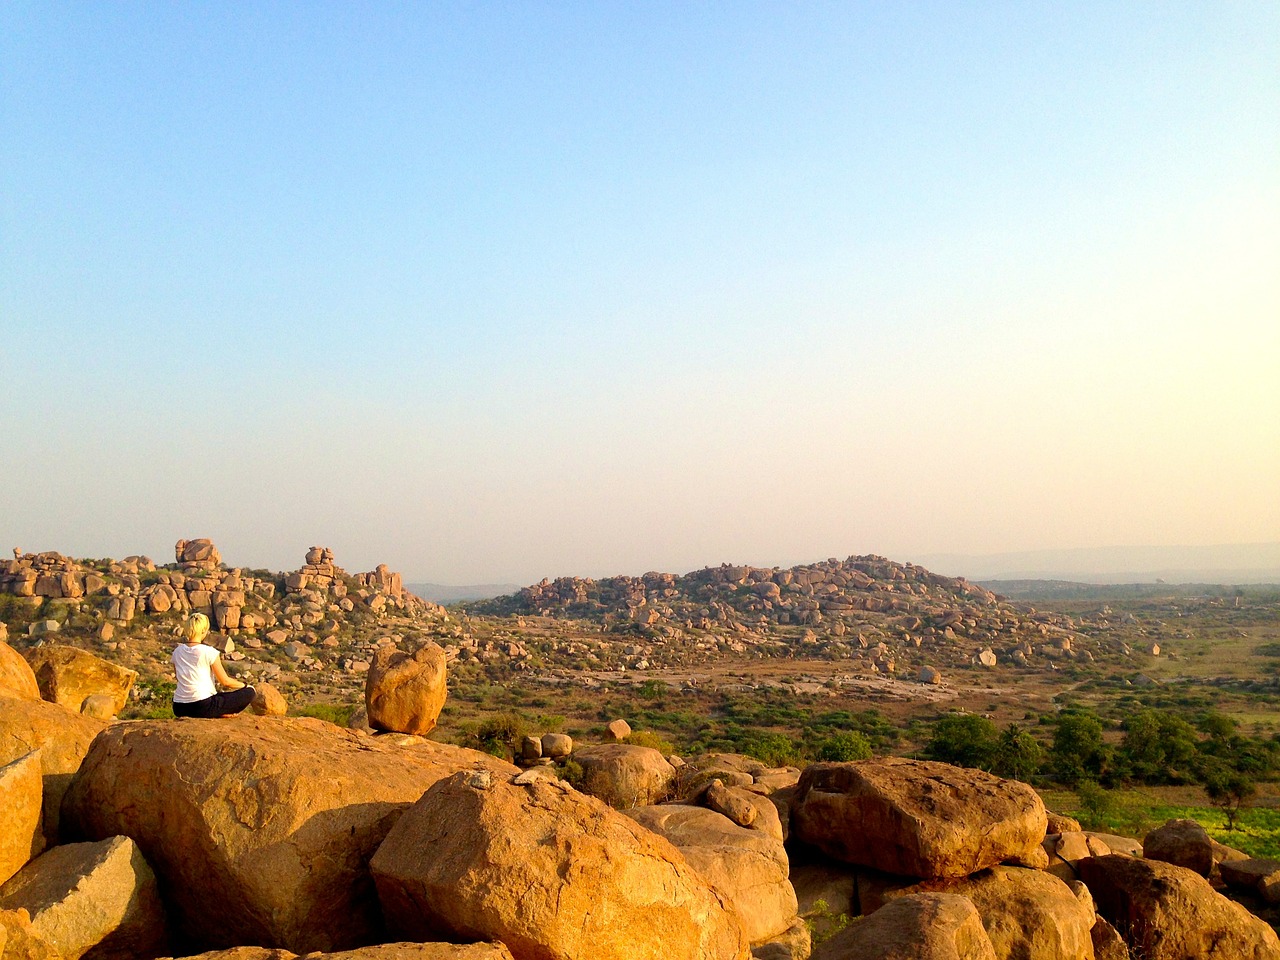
{"x":200,"y":672}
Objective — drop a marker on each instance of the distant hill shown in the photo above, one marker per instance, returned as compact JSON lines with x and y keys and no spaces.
{"x":1034,"y":590}
{"x":1231,"y":564}
{"x":448,"y":593}
{"x":758,"y":596}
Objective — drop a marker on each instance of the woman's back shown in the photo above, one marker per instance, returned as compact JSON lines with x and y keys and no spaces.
{"x":191,"y":663}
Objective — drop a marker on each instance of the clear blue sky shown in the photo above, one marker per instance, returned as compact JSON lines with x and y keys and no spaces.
{"x":499,"y":291}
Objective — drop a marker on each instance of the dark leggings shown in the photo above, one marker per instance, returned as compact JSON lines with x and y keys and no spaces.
{"x":219,"y":705}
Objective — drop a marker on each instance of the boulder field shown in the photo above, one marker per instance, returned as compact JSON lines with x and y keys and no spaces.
{"x":271,"y":819}
{"x":552,"y":873}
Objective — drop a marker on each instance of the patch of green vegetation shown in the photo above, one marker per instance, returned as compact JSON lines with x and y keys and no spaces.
{"x":824,"y":923}
{"x":335,"y":713}
{"x":844,"y":747}
{"x":1133,"y":813}
{"x":154,"y":700}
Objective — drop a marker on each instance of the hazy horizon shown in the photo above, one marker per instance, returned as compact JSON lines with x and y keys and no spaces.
{"x":496,"y":293}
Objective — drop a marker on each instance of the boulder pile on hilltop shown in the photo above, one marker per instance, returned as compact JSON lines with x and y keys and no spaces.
{"x":198,"y":581}
{"x":264,"y":837}
{"x":864,"y":607}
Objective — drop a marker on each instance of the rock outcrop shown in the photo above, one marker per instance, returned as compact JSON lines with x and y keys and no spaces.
{"x":1255,"y":875}
{"x":625,"y":776}
{"x":63,"y":739}
{"x":1166,"y":912}
{"x":272,"y":819}
{"x":69,"y":675}
{"x":16,"y":677}
{"x":1028,"y":913}
{"x":19,"y":942}
{"x":268,"y":701}
{"x":1183,"y":843}
{"x":1066,"y":850}
{"x":47,"y":575}
{"x":550,"y":872}
{"x":21,"y":794}
{"x":405,"y":692}
{"x":916,"y":818}
{"x":382,"y":951}
{"x":749,"y":868}
{"x":924,"y":926}
{"x":96,"y":900}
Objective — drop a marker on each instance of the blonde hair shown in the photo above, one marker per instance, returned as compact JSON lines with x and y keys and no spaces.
{"x":196,"y":628}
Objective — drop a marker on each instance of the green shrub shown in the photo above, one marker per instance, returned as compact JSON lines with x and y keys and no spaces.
{"x":823,"y":923}
{"x":965,"y":739}
{"x":844,"y":747}
{"x":1078,"y":753}
{"x":1096,"y":803}
{"x":1017,"y":754}
{"x":774,"y":749}
{"x":651,"y":689}
{"x":499,"y":735}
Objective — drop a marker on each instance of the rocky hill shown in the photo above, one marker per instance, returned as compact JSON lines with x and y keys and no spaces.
{"x":314,"y":620}
{"x":314,"y":630}
{"x":836,"y":608}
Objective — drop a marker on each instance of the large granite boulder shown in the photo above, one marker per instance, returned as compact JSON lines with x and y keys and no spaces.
{"x":623,"y":775}
{"x":16,"y":676}
{"x":745,"y":807}
{"x":794,"y":943}
{"x":21,"y":793}
{"x":93,"y":900}
{"x":272,"y":820}
{"x":748,"y":867}
{"x":1184,"y":843}
{"x":62,"y":737}
{"x":916,"y":818}
{"x":1028,"y":914}
{"x":405,"y":692}
{"x":550,"y":872}
{"x":923,"y":926}
{"x":1166,"y":912}
{"x":69,"y":675}
{"x":268,"y":701}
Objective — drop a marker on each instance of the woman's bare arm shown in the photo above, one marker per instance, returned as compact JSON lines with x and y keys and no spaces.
{"x":224,"y":679}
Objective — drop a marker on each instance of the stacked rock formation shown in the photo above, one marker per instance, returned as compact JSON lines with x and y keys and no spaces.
{"x":198,"y":581}
{"x":202,"y":586}
{"x":47,"y":574}
{"x":319,"y":583}
{"x":318,"y":572}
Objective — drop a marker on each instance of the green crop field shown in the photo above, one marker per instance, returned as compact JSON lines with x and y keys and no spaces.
{"x":1133,"y":813}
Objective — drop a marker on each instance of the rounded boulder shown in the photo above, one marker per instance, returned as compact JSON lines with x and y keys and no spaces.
{"x":551,"y":873}
{"x":405,"y":692}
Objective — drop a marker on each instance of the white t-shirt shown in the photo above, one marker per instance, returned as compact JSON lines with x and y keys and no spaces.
{"x":191,"y":662}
